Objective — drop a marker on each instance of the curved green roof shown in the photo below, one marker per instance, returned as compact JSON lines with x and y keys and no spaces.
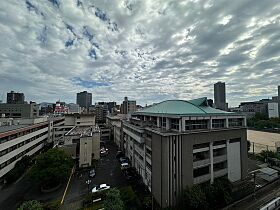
{"x":180,"y":107}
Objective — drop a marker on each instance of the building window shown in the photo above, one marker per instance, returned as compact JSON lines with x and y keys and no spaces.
{"x":195,"y":124}
{"x":174,"y":124}
{"x":200,"y":156}
{"x":235,"y":122}
{"x":200,"y":171}
{"x":218,"y":123}
{"x":219,"y":152}
{"x":216,"y":143}
{"x":220,"y":166}
{"x":200,"y":146}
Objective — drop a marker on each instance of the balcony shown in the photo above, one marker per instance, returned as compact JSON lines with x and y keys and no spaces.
{"x":218,"y":159}
{"x":200,"y":163}
{"x":201,"y":179}
{"x":139,"y":139}
{"x":219,"y":173}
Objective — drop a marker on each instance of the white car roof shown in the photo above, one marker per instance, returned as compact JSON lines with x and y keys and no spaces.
{"x":124,"y":164}
{"x":103,"y":185}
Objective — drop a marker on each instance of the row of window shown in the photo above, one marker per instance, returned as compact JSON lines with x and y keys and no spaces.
{"x":22,"y":133}
{"x":16,"y":146}
{"x":206,"y":170}
{"x":8,"y":162}
{"x":215,"y":143}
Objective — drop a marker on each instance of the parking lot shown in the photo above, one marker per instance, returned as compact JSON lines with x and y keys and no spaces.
{"x":107,"y":172}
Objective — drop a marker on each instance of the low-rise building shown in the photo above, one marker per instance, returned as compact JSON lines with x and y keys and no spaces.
{"x":19,"y":110}
{"x":83,"y":142}
{"x":176,"y":143}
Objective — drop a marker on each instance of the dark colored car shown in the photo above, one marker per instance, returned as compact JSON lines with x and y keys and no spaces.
{"x":119,"y":154}
{"x":92,"y":173}
{"x":124,"y":160}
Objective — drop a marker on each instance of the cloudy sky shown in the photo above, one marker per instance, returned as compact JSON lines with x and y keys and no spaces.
{"x":148,"y":50}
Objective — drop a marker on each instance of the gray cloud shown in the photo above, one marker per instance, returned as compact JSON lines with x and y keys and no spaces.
{"x":147,"y":50}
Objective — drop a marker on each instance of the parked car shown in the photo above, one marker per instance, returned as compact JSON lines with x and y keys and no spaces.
{"x":100,"y":188}
{"x":125,"y":166}
{"x":119,"y":154}
{"x":124,"y":160}
{"x":131,"y":174}
{"x":104,"y":151}
{"x":92,"y":173}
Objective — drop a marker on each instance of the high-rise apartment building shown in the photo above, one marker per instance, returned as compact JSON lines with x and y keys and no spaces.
{"x":220,"y":96}
{"x":15,"y":98}
{"x":176,"y":143}
{"x":84,"y":99}
{"x":101,"y":111}
{"x":128,"y":107}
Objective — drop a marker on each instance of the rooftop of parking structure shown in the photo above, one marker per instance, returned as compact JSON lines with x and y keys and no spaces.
{"x":83,"y":131}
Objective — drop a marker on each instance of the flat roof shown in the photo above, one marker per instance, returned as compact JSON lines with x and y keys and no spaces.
{"x":6,"y":128}
{"x":268,"y":171}
{"x":82,"y":130}
{"x":196,"y":107}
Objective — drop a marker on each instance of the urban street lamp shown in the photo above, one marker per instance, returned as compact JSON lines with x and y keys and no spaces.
{"x":88,"y":183}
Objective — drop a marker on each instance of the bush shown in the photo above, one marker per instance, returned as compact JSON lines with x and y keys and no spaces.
{"x":206,"y":196}
{"x":31,"y":205}
{"x":113,"y":200}
{"x":130,"y":199}
{"x":54,"y":205}
{"x":20,"y":167}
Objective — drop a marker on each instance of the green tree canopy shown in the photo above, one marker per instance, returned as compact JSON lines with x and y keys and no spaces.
{"x":51,"y":168}
{"x":31,"y":205}
{"x":113,"y":200}
{"x":194,"y":198}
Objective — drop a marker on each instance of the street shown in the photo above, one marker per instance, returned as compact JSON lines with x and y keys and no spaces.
{"x":13,"y":195}
{"x":107,"y":172}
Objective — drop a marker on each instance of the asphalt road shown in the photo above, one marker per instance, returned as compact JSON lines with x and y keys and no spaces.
{"x":107,"y":172}
{"x":12,"y":196}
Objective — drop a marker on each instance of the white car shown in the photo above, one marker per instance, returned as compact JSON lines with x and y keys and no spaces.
{"x":100,"y":188}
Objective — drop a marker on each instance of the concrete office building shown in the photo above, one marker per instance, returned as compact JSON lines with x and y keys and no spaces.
{"x":23,"y":137}
{"x":83,"y":143}
{"x":115,"y":124}
{"x":15,"y":98}
{"x":220,"y":96}
{"x":84,"y":99}
{"x":273,"y":110}
{"x":128,"y":107}
{"x":174,"y":144}
{"x":74,"y":108}
{"x":20,"y":110}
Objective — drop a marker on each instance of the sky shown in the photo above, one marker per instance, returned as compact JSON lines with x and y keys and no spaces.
{"x":148,"y":50}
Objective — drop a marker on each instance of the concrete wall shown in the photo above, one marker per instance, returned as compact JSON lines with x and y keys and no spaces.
{"x":172,"y":160}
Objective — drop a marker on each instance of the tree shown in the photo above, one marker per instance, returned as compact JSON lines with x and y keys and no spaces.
{"x":113,"y":200}
{"x":194,"y":198}
{"x":51,"y":168}
{"x":31,"y":205}
{"x":19,"y":169}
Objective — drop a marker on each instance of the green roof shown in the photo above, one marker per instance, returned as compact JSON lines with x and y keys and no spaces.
{"x":180,"y":107}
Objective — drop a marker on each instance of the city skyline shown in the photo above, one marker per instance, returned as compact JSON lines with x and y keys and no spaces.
{"x":150,"y":51}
